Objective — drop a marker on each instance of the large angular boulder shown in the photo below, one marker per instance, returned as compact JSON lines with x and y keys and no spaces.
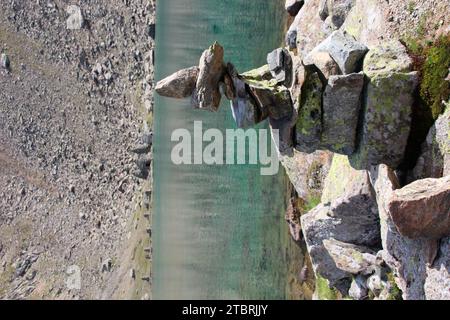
{"x":344,"y":49}
{"x":434,"y":161}
{"x":437,"y":283}
{"x":293,"y":6}
{"x":309,"y":122}
{"x":351,"y":258}
{"x":387,"y":104}
{"x":422,"y":208}
{"x":406,"y":257}
{"x":179,"y":85}
{"x":349,"y":219}
{"x":212,"y":69}
{"x":341,"y":107}
{"x":307,"y":172}
{"x":343,"y":179}
{"x":280,"y":66}
{"x":324,"y":63}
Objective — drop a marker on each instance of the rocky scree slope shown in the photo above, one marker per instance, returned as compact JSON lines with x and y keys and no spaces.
{"x":75,"y":140}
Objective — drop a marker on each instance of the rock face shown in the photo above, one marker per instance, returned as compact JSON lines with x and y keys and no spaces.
{"x":280,"y":66}
{"x":4,"y":61}
{"x":422,"y":208}
{"x":324,"y":62}
{"x":179,"y":85}
{"x":349,"y":257}
{"x":344,"y":49}
{"x":293,"y":6}
{"x":212,"y":70}
{"x":406,"y":257}
{"x":434,"y":162}
{"x":387,"y":106}
{"x":309,"y":124}
{"x":437,"y":283}
{"x":75,"y":21}
{"x":341,"y":106}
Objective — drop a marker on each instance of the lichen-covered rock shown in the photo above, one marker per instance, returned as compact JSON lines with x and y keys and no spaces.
{"x":422,"y":208}
{"x":387,"y":104}
{"x":341,"y":107}
{"x":351,"y":258}
{"x":434,"y":162}
{"x":323,"y":62}
{"x":179,"y":85}
{"x":343,"y":179}
{"x":437,"y":283}
{"x":349,"y":219}
{"x":338,"y":11}
{"x":293,"y":6}
{"x":4,"y":61}
{"x":280,"y":66}
{"x":358,"y":289}
{"x":309,"y":124}
{"x":244,"y":109}
{"x":406,"y":257}
{"x":344,"y":49}
{"x":212,"y":70}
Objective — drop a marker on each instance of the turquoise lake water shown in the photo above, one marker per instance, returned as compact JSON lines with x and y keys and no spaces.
{"x":219,"y":231}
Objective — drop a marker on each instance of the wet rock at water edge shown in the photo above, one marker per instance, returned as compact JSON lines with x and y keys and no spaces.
{"x":293,"y":6}
{"x":212,"y":69}
{"x":75,"y":21}
{"x":341,"y":109}
{"x":422,"y":209}
{"x":344,"y":49}
{"x":179,"y":85}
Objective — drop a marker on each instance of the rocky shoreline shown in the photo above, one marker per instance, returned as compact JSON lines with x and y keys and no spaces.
{"x":342,"y":95}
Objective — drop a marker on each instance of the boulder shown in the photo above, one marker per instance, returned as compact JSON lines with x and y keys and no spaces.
{"x":243,"y":106}
{"x":272,"y":99}
{"x":341,"y":107}
{"x":406,"y":257}
{"x":309,"y":125}
{"x":293,"y":6}
{"x":387,"y":104}
{"x":212,"y":70}
{"x":422,"y":209}
{"x":343,"y":179}
{"x":338,"y":11}
{"x":298,"y":79}
{"x":280,"y":66}
{"x":75,"y":21}
{"x":344,"y":49}
{"x":437,"y":283}
{"x":358,"y":288}
{"x":227,"y":87}
{"x":351,"y":258}
{"x":4,"y":61}
{"x":324,"y":63}
{"x":303,"y":168}
{"x":434,"y":161}
{"x":179,"y":85}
